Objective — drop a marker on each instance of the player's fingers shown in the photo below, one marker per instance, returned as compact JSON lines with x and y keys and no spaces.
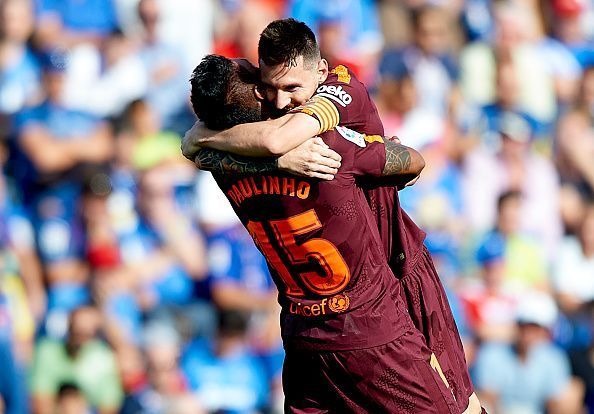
{"x":328,"y":153}
{"x":327,"y":161}
{"x":395,"y":139}
{"x":321,"y":168}
{"x":321,"y":176}
{"x":319,"y":141}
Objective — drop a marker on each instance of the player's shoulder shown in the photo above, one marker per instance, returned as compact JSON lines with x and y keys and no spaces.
{"x":342,"y":139}
{"x":341,"y":86}
{"x":341,"y":75}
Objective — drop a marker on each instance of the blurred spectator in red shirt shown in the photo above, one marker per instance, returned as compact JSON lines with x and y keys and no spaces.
{"x":490,"y":306}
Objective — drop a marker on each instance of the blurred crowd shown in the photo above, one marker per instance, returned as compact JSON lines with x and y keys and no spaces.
{"x":127,"y":284}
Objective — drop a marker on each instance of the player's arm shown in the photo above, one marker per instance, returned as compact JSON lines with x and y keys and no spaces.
{"x":403,"y":164}
{"x":313,"y":158}
{"x":258,"y":139}
{"x":382,"y":161}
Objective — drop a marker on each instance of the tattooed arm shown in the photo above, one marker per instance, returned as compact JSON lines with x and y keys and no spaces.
{"x":224,"y":163}
{"x":402,"y":167}
{"x":311,"y":159}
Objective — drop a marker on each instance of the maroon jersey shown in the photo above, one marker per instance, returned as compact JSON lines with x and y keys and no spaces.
{"x":343,"y":100}
{"x":321,"y":242}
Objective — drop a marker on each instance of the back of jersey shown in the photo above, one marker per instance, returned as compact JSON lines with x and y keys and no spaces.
{"x":322,"y":245}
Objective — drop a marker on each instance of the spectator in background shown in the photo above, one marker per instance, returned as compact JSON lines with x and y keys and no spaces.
{"x":477,"y":20}
{"x":573,"y":267}
{"x":514,"y":167}
{"x":239,"y":274}
{"x":490,"y":306}
{"x":555,"y":57}
{"x":506,"y":101}
{"x":54,"y":155}
{"x":569,"y":21}
{"x":574,"y":153}
{"x":82,"y":359}
{"x":354,"y":24}
{"x":20,"y":78}
{"x":166,"y":384}
{"x":238,"y":34}
{"x":113,"y":283}
{"x":167,"y":91}
{"x":397,"y":102}
{"x":70,"y":400}
{"x":582,"y":363}
{"x":531,"y":375}
{"x":190,"y":25}
{"x":67,"y":23}
{"x":103,"y":79}
{"x":513,"y":21}
{"x":22,"y":267}
{"x":573,"y":283}
{"x":436,"y":202}
{"x":239,"y":277}
{"x":224,"y":374}
{"x":526,"y":267}
{"x":150,"y":145}
{"x":432,"y":68}
{"x":13,"y":389}
{"x":164,"y":250}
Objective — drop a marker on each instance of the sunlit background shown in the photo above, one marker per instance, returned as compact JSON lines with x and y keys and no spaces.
{"x":127,"y":286}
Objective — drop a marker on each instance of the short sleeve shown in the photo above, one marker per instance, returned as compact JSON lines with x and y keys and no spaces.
{"x":490,"y":368}
{"x":558,"y":373}
{"x":363,"y":155}
{"x":44,"y":371}
{"x":29,"y":117}
{"x":109,"y":394}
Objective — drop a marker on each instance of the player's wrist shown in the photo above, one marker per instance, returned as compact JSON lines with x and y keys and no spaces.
{"x":280,"y":163}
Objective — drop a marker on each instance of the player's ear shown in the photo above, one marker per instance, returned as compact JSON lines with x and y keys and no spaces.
{"x":322,"y":70}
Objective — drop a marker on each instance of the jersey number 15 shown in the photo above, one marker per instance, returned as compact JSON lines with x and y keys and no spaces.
{"x":336,"y":274}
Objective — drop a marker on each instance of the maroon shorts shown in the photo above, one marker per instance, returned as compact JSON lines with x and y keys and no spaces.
{"x":393,"y":378}
{"x":431,"y":314}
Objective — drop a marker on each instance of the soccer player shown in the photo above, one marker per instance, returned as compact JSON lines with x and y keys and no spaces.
{"x":350,"y":344}
{"x":293,"y":71}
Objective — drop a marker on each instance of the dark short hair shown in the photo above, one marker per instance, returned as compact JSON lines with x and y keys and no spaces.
{"x":232,"y":321}
{"x":418,"y":14}
{"x":219,"y":90}
{"x":509,"y":195}
{"x":284,"y":40}
{"x":68,"y":389}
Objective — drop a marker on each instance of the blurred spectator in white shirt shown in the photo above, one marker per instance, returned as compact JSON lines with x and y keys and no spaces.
{"x":573,"y":267}
{"x":103,"y":80}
